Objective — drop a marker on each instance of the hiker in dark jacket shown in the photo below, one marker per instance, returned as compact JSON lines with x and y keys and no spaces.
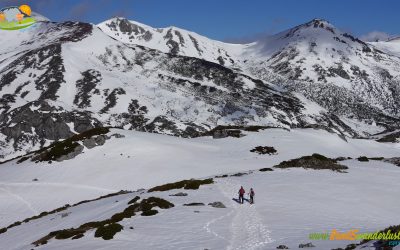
{"x":252,"y":193}
{"x":241,"y":194}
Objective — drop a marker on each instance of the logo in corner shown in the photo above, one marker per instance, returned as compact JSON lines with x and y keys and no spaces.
{"x":15,"y":18}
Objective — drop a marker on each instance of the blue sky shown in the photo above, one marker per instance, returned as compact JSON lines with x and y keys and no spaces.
{"x":229,"y":20}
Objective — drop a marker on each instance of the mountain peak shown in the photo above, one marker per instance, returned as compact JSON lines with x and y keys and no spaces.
{"x":320,"y":23}
{"x":315,"y":29}
{"x":319,"y":20}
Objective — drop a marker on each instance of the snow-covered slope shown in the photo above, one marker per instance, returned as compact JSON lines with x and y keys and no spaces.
{"x":173,"y":40}
{"x":143,"y":160}
{"x":290,"y":203}
{"x":391,"y":47}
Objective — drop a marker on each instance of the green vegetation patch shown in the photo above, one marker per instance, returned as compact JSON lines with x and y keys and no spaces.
{"x":106,"y":229}
{"x":194,"y":204}
{"x":78,"y":236}
{"x":60,"y":209}
{"x":152,"y":202}
{"x":266,"y":169}
{"x":68,"y":233}
{"x":22,"y":159}
{"x":150,"y":212}
{"x":90,"y":133}
{"x":233,"y":127}
{"x":107,"y":232}
{"x":123,"y":215}
{"x":362,"y":158}
{"x":57,"y":150}
{"x":315,"y":161}
{"x":239,"y":174}
{"x":262,"y":150}
{"x":186,"y":184}
{"x":376,"y":158}
{"x":134,"y":200}
{"x":365,"y":159}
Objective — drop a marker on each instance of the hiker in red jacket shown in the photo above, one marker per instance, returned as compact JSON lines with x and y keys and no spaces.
{"x":241,"y":194}
{"x":252,"y":193}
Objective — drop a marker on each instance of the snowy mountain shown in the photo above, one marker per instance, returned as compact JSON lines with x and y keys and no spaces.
{"x":57,"y":79}
{"x":64,"y":78}
{"x":328,"y":66}
{"x":308,"y":117}
{"x":338,"y":71}
{"x":174,"y":40}
{"x":391,"y":47}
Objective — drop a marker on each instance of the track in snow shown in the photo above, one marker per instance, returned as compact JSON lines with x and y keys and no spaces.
{"x":208,"y":228}
{"x":60,"y":185}
{"x":22,"y":200}
{"x":248,"y":231}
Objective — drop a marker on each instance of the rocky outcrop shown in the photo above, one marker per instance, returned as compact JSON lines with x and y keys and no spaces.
{"x":282,"y":247}
{"x":219,"y":134}
{"x":217,"y":204}
{"x":394,"y":160}
{"x":95,"y":141}
{"x":77,"y":151}
{"x":180,"y":194}
{"x":71,"y":147}
{"x":307,"y":245}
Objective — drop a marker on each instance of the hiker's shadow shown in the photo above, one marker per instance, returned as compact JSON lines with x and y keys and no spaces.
{"x":237,"y":200}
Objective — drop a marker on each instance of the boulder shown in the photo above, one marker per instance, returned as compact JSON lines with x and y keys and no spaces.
{"x":282,"y":247}
{"x":179,"y":194}
{"x":100,"y":140}
{"x":118,"y":135}
{"x":217,"y":204}
{"x":266,"y":169}
{"x":306,"y":245}
{"x":89,"y":143}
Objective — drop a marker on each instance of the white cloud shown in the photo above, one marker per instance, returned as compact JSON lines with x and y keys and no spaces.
{"x":375,"y":36}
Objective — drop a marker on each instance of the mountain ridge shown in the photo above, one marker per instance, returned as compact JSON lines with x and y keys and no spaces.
{"x":315,"y":51}
{"x":57,"y":79}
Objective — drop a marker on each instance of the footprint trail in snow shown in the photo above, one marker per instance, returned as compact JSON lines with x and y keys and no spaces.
{"x":248,"y":231}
